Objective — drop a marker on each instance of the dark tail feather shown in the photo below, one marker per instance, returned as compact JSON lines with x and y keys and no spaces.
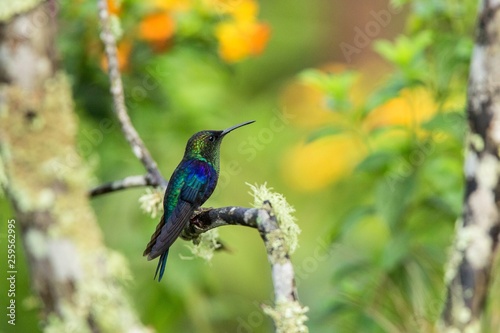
{"x":161,"y":265}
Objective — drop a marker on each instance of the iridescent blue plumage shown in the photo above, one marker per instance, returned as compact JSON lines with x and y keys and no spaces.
{"x":191,"y":184}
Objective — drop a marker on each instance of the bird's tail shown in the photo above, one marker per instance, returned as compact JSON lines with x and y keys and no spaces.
{"x":161,"y":265}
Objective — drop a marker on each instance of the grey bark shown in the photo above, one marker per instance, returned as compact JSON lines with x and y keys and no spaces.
{"x":76,"y":278}
{"x":469,"y":272}
{"x":116,"y":89}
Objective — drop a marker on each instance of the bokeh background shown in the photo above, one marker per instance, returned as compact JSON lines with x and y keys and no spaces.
{"x":360,"y":123}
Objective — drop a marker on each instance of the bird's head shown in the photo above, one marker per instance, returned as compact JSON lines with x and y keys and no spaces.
{"x":206,"y":144}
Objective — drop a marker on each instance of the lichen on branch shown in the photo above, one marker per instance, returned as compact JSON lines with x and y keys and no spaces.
{"x":283,"y":210}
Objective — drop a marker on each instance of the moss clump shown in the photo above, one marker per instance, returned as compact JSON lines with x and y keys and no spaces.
{"x":152,"y":202}
{"x":205,"y":245}
{"x":10,"y":8}
{"x":283,"y":210}
{"x":288,"y":317}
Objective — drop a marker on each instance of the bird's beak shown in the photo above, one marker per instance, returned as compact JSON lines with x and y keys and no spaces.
{"x":227,"y":130}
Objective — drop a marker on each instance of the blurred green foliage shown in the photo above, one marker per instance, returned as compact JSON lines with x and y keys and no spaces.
{"x":394,"y":221}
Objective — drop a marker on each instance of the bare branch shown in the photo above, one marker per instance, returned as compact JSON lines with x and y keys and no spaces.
{"x":116,"y":88}
{"x":127,"y":182}
{"x":206,"y":219}
{"x":469,"y":270}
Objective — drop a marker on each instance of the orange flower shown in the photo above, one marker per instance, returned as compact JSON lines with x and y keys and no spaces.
{"x":123,"y":52}
{"x":157,"y":27}
{"x":238,"y":40}
{"x":259,"y":38}
{"x":114,"y":7}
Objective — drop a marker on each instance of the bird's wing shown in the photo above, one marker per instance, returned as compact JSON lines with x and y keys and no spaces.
{"x":168,"y":231}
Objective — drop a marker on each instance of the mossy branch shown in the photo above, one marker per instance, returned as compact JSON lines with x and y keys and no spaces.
{"x":288,"y":314}
{"x":470,"y":267}
{"x":76,"y":278}
{"x":127,"y":182}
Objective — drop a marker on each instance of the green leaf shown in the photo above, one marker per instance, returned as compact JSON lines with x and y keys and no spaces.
{"x":314,"y":77}
{"x":407,"y":54}
{"x":387,"y":92}
{"x":394,"y":193}
{"x":376,"y":162}
{"x":442,"y":177}
{"x":349,"y":268}
{"x":385,"y":48}
{"x":325,"y":131}
{"x":398,"y":3}
{"x":395,"y":252}
{"x":336,"y":86}
{"x":355,"y":216}
{"x":453,"y":123}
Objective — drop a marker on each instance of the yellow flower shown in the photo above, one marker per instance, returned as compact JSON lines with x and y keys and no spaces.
{"x":240,"y":10}
{"x":245,"y":11}
{"x":313,"y":166}
{"x":237,"y":40}
{"x":172,"y":5}
{"x":309,"y":102}
{"x":411,"y":108}
{"x":309,"y":106}
{"x":241,"y":35}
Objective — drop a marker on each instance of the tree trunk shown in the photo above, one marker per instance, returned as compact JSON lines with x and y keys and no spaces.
{"x":468,"y":274}
{"x":74,"y":274}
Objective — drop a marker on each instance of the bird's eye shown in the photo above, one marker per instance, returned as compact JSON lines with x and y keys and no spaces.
{"x":211,"y":138}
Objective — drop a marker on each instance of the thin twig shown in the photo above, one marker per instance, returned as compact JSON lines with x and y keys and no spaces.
{"x":206,"y":219}
{"x":116,"y":88}
{"x":127,"y":182}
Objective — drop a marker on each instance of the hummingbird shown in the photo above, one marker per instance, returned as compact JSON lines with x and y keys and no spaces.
{"x":191,"y":184}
